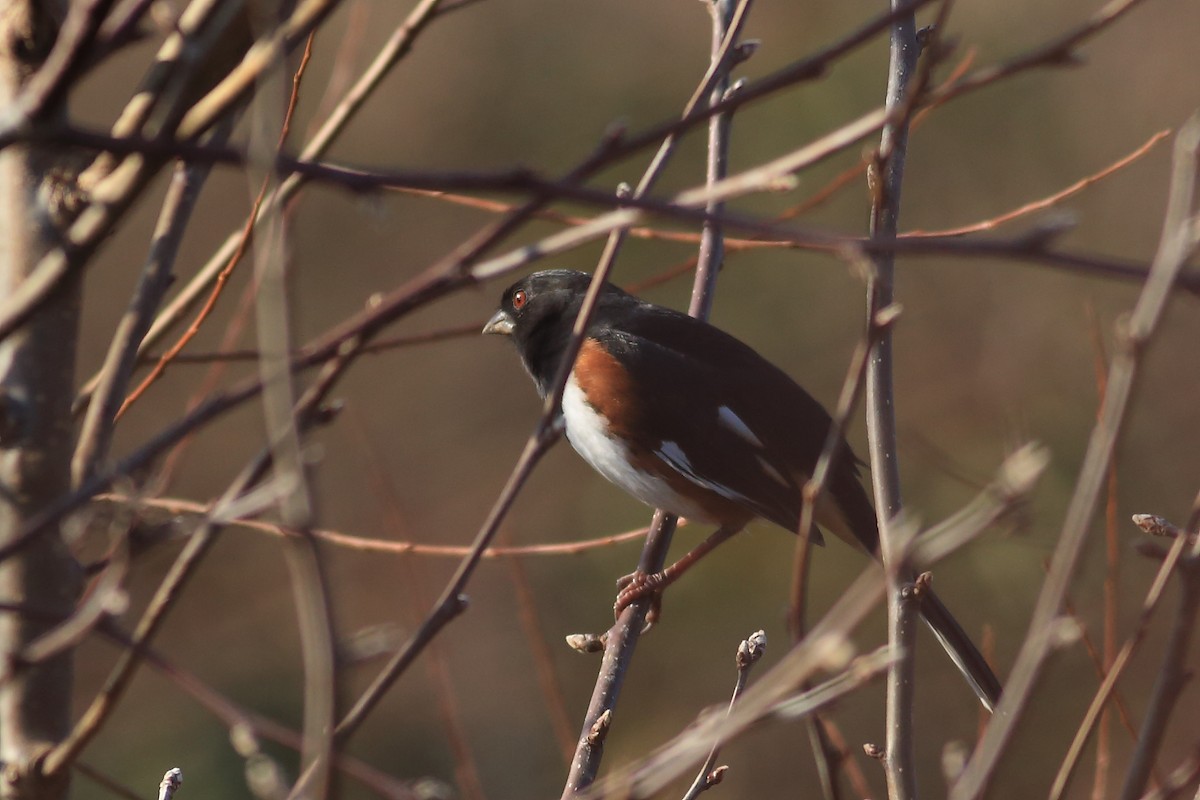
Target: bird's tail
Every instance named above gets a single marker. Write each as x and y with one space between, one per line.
961 649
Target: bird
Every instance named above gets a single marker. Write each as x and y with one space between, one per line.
687 418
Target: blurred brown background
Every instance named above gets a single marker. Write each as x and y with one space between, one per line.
990 354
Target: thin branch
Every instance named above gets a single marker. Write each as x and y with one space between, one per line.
382 345
727 17
1098 664
371 545
1043 203
243 245
848 400
1057 52
748 653
1172 677
826 647
113 377
734 244
1109 683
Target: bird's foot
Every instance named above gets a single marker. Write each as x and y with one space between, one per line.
637 586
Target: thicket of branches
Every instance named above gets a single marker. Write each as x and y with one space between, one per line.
86 506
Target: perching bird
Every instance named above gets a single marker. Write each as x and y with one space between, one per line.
688 419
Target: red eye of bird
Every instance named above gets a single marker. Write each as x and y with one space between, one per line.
519 299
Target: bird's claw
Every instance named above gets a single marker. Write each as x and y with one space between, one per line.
637 586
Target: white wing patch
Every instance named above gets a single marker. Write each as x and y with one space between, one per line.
673 454
733 422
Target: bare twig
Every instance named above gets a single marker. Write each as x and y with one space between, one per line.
826 647
748 653
727 17
381 345
113 377
832 449
1178 241
1108 685
1042 203
1172 675
369 545
1057 52
1097 659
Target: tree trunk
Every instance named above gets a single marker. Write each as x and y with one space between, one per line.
37 364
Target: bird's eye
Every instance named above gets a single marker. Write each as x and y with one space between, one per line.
519 299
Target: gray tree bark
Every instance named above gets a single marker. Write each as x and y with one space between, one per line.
37 365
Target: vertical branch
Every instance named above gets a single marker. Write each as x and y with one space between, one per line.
712 241
37 370
888 175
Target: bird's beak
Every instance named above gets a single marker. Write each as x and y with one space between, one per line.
500 323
